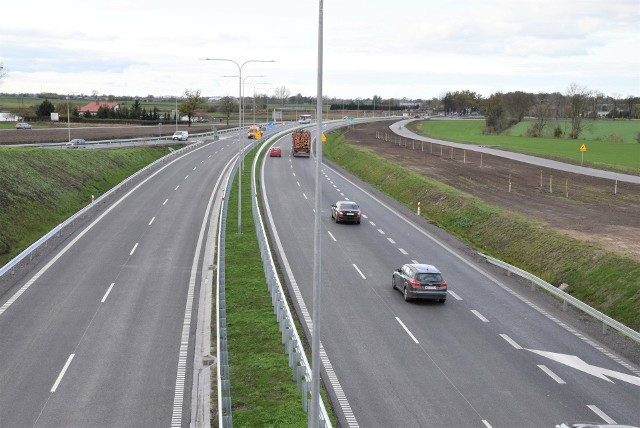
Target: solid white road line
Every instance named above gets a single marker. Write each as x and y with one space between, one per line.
407 330
61 375
479 315
104 299
133 249
551 374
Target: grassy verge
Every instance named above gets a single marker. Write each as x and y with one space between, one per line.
40 188
263 392
608 282
604 151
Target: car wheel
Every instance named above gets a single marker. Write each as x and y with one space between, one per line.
442 301
406 295
358 222
393 282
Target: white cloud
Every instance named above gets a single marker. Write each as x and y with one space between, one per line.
408 49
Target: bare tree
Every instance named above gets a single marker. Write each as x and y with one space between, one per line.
578 102
282 93
630 103
227 106
613 102
596 99
517 104
542 110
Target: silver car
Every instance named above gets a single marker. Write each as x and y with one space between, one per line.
23 125
420 281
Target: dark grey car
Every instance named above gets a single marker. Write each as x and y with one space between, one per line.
346 211
420 281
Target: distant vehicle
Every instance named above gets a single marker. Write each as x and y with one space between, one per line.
304 118
275 152
301 142
254 133
23 125
420 281
347 211
593 425
76 142
426 117
180 135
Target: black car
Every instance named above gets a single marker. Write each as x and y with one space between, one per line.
420 281
347 211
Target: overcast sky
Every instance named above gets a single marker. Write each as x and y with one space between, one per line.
409 48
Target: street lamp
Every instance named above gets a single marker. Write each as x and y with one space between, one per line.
69 116
254 98
239 130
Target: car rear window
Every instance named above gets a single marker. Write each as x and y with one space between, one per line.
349 206
429 277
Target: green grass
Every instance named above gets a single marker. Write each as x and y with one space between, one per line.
603 151
604 280
40 188
263 392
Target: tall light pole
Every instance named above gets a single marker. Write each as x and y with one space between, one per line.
239 130
254 98
176 113
315 346
69 116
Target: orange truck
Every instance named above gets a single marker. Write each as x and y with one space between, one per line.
301 143
254 133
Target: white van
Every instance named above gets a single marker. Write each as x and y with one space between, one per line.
180 135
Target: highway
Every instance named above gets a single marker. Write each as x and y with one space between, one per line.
101 332
489 357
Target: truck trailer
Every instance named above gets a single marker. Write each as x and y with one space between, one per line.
301 142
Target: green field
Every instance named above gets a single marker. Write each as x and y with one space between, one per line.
610 145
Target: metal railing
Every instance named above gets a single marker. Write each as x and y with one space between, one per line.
567 298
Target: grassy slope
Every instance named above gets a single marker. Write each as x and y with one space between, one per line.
40 188
620 156
603 280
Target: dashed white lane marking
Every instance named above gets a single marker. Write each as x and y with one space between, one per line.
298 183
479 315
177 187
165 201
486 424
455 296
194 168
415 262
186 176
133 249
407 330
104 299
511 341
332 237
402 251
151 221
600 413
363 277
381 231
61 375
391 240
364 216
551 374
294 174
371 223
305 196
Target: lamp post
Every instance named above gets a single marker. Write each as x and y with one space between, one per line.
69 116
239 130
176 113
254 98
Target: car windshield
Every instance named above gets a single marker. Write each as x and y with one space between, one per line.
429 277
348 206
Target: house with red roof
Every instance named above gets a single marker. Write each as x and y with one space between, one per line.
94 106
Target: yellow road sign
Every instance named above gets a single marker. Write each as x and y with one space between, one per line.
324 137
583 148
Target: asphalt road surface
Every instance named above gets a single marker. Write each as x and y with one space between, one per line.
493 355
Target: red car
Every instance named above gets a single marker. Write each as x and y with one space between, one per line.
275 151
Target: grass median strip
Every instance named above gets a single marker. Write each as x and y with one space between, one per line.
263 392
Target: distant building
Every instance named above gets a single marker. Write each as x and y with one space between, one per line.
94 106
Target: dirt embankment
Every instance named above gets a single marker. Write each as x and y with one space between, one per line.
586 208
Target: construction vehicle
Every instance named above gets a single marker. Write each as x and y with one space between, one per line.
254 132
301 143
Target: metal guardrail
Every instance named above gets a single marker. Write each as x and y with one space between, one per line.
30 251
567 298
298 361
